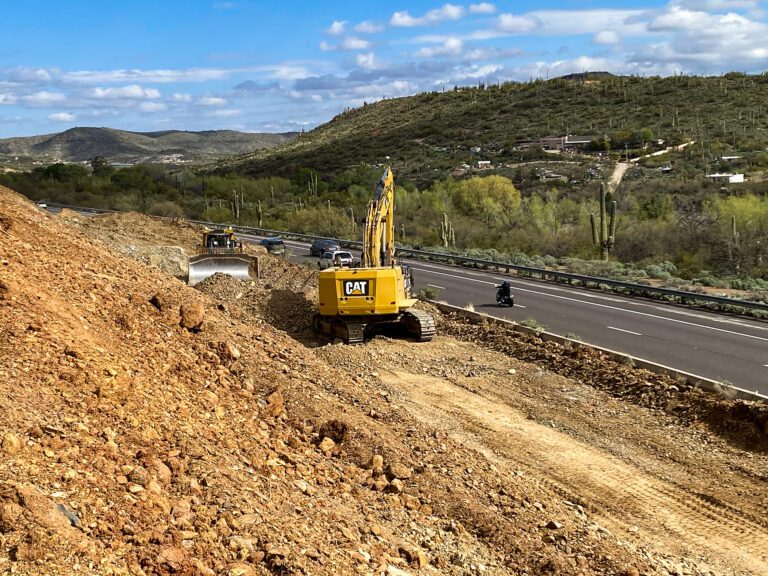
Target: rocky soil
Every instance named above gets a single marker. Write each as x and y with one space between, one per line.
151 428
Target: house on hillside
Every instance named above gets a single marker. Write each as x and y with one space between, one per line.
557 143
483 164
577 142
726 178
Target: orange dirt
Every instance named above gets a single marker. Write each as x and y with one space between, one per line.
133 445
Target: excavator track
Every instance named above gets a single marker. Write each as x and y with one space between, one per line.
333 327
420 324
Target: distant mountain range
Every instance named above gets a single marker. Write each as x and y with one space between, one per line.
120 146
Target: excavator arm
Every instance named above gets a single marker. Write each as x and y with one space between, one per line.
379 237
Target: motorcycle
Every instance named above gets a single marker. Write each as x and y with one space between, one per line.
503 299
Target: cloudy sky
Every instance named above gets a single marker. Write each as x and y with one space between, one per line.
285 65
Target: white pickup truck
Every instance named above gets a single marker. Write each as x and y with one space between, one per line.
329 259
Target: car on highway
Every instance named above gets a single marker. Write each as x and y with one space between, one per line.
333 258
319 247
274 246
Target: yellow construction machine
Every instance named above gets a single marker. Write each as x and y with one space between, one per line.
219 251
356 302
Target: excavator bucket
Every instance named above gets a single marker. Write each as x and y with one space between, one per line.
220 252
204 265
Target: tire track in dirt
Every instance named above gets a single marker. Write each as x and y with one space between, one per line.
617 493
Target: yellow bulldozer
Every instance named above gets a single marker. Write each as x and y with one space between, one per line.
221 252
357 302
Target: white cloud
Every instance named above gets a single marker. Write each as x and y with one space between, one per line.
285 71
31 75
678 19
717 5
62 117
133 91
482 8
154 76
445 12
353 43
228 113
574 22
511 24
367 61
152 106
702 42
44 98
451 47
368 27
337 27
609 37
212 101
8 99
325 47
181 97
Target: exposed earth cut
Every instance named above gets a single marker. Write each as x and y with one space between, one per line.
147 427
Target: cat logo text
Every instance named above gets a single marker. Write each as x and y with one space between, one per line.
356 287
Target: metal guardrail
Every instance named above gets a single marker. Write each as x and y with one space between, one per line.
668 294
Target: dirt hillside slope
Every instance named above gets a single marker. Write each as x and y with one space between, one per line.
136 440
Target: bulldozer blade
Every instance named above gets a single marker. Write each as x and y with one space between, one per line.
204 265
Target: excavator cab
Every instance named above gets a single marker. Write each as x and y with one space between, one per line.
219 251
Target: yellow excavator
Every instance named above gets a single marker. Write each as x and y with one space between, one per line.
221 252
356 302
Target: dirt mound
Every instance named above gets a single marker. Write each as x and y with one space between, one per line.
134 445
134 229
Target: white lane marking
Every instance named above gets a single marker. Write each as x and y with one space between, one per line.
436 286
622 330
613 308
520 306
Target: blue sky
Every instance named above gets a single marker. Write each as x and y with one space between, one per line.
286 65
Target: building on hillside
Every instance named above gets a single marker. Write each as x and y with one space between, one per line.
572 142
557 143
483 164
726 178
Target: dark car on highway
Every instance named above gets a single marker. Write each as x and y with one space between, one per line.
274 245
319 247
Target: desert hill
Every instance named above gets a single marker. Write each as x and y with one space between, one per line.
170 146
428 135
138 440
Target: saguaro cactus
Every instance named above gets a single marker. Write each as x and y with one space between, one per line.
237 203
733 245
447 234
604 235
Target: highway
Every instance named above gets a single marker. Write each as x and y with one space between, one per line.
728 349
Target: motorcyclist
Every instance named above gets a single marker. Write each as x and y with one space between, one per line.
505 289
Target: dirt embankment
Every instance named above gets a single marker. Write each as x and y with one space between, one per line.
150 428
